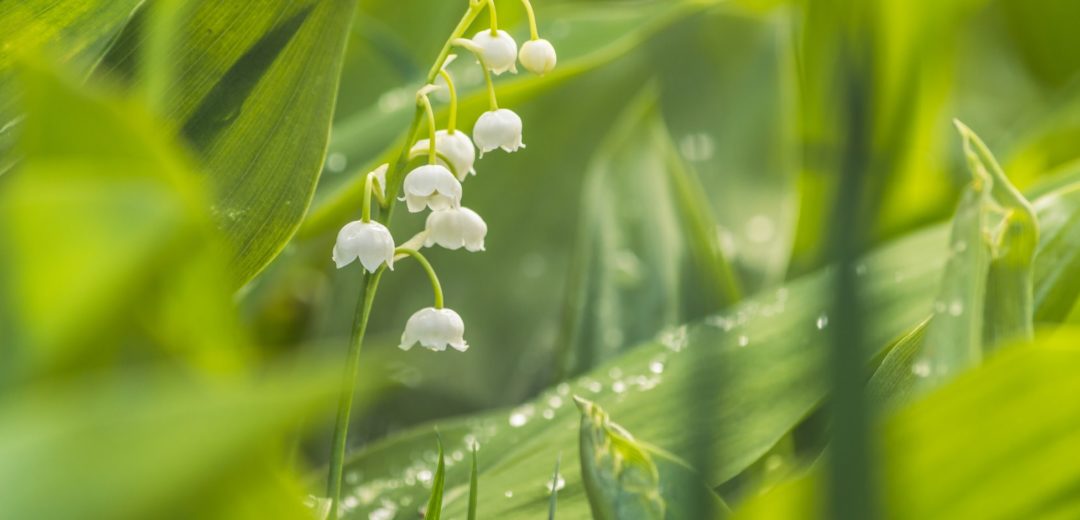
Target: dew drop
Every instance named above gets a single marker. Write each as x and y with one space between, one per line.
336 162
556 484
518 419
744 340
822 321
508 494
618 387
656 367
956 308
548 414
921 368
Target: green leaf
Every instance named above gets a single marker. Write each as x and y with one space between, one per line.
473 484
105 237
985 296
434 505
75 32
253 96
987 445
556 483
620 478
769 351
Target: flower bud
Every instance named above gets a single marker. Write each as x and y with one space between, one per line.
370 242
434 329
499 51
456 228
498 129
456 148
431 186
538 56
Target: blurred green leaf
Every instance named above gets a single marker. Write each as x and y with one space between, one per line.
74 32
988 445
631 266
254 97
106 245
143 443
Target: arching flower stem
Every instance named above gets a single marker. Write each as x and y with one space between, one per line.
534 34
493 102
435 286
451 125
432 128
494 17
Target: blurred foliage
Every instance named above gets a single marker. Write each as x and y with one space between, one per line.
659 248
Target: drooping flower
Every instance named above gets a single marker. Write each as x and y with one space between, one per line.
499 50
498 129
434 329
431 186
369 242
456 147
456 228
538 56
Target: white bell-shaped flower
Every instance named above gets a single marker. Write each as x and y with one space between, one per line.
499 50
431 186
498 129
434 329
369 242
456 228
456 147
538 56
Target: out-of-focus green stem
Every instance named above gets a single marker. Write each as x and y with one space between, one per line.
436 287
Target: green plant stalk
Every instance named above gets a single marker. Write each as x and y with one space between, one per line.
348 388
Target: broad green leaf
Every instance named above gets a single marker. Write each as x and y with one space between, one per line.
74 32
769 351
988 445
254 97
620 477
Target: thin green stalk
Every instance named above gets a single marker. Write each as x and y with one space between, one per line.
494 17
348 387
473 48
532 19
431 127
473 486
435 286
451 125
365 207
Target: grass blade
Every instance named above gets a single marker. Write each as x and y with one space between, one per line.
473 486
554 489
434 506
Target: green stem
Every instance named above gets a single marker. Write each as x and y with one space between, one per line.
493 102
348 387
365 206
532 19
451 125
431 127
494 18
435 286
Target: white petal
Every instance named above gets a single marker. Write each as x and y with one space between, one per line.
370 242
499 51
538 56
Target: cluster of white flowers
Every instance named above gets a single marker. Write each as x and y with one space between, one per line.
437 185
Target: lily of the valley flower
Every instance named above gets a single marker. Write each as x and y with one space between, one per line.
456 148
434 329
431 186
456 228
499 50
369 242
538 56
498 129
